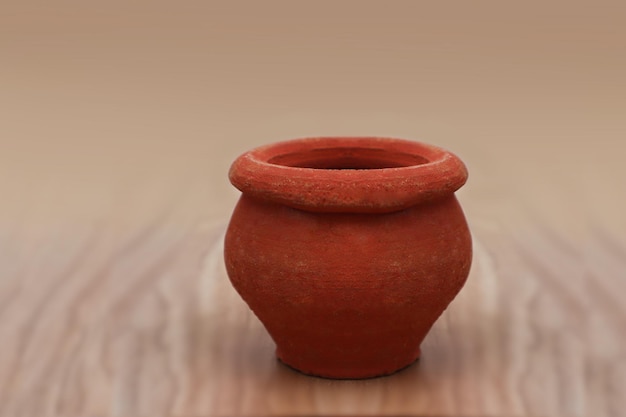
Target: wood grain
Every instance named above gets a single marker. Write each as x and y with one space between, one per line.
98 320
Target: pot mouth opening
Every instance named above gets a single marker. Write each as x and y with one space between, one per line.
348 174
343 158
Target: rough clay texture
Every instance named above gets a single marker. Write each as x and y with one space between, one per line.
348 295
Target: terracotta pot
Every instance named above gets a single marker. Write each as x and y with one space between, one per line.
348 249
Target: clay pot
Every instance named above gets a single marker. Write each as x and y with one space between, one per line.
348 249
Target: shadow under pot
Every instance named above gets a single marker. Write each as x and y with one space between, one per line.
348 248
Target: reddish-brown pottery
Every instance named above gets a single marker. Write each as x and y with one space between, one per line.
348 248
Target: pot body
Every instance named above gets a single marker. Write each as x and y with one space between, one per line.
348 295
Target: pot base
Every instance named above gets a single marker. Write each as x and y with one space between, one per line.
361 373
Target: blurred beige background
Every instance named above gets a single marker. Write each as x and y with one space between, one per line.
117 117
99 100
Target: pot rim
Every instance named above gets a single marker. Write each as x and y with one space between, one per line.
408 173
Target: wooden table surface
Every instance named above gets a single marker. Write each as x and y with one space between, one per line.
119 122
